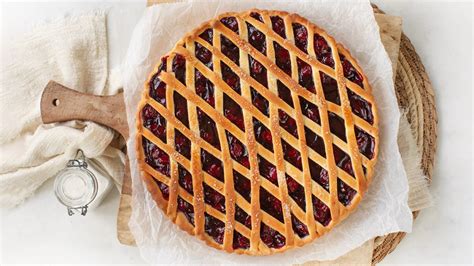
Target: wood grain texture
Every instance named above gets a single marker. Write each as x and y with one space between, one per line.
125 209
154 2
60 104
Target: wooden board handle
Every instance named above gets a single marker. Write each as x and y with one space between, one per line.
60 104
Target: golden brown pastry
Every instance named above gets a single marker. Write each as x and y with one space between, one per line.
257 132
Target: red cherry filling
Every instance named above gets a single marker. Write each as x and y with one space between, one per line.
343 160
233 112
185 179
237 150
242 217
258 71
155 122
181 108
291 154
271 237
361 107
267 170
208 129
301 36
149 113
315 142
262 134
257 39
321 211
282 58
165 192
271 204
350 72
204 55
296 192
182 144
158 90
162 66
240 241
310 110
345 193
278 25
207 35
187 209
229 49
365 142
179 68
214 228
331 92
336 124
288 123
256 16
214 198
319 174
231 23
204 87
242 185
284 93
157 86
259 101
298 227
305 75
323 51
212 165
155 157
230 77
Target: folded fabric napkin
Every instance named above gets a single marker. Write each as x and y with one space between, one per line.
71 50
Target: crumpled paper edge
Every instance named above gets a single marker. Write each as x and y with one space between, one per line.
148 223
419 196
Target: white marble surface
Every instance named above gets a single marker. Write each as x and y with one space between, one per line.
39 231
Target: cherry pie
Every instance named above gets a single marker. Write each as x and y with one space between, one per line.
257 133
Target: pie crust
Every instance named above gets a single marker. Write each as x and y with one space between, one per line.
241 143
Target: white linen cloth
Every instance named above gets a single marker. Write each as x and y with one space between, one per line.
71 50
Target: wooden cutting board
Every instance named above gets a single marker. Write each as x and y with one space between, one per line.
59 104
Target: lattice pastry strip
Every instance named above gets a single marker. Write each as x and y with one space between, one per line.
261 150
290 81
257 132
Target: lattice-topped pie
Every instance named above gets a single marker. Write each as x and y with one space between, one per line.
257 132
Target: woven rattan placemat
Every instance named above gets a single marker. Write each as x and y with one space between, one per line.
415 95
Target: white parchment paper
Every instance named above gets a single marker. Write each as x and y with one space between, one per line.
384 208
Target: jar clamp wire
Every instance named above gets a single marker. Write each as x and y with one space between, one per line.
75 186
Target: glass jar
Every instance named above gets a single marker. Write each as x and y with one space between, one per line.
75 186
